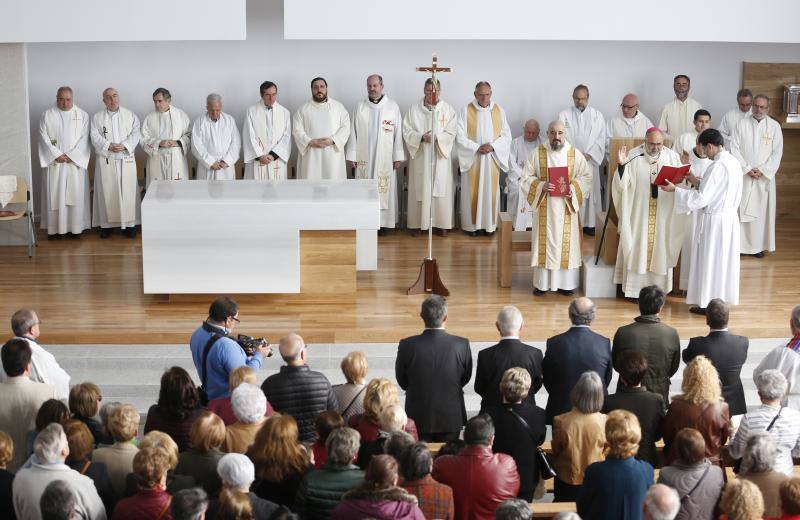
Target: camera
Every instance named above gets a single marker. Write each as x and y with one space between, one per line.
250 344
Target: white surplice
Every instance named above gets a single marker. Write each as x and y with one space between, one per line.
622 127
758 144
728 124
488 206
117 201
677 117
65 186
699 166
415 125
315 121
786 360
214 141
586 131
167 163
685 143
518 207
715 252
376 141
267 131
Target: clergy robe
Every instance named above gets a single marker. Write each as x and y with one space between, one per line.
699 166
518 207
117 201
167 163
650 232
376 141
758 144
586 131
729 122
786 359
480 173
267 131
415 125
319 120
556 241
685 143
622 127
715 252
677 117
65 186
214 141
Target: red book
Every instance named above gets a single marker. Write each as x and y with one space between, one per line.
559 177
673 174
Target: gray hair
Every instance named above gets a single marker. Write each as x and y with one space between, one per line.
23 321
744 93
236 471
587 394
105 411
434 311
771 384
380 78
213 98
662 502
249 403
189 504
513 509
393 418
50 443
796 317
342 445
482 84
759 453
64 89
581 311
397 443
761 96
57 501
509 320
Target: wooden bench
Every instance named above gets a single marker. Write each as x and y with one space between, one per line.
551 509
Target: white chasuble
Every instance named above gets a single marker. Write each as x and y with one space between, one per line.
315 121
65 186
116 188
650 232
267 131
699 167
376 141
167 163
622 127
517 204
556 239
480 173
214 141
586 131
729 122
758 144
714 271
677 117
415 125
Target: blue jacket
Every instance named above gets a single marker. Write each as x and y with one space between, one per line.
614 489
226 355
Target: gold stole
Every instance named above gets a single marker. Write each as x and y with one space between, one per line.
475 171
651 218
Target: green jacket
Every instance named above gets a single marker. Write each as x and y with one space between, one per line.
321 491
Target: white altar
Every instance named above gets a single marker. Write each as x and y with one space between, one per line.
250 236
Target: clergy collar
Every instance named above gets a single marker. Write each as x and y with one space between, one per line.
267 107
377 101
579 110
475 103
115 112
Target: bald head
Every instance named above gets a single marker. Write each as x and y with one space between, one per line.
556 135
581 311
531 130
293 350
630 105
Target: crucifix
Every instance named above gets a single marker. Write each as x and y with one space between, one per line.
429 281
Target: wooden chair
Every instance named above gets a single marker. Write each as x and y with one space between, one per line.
23 196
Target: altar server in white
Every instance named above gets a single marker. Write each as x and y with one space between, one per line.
521 147
684 144
421 144
115 134
484 146
267 137
744 102
586 131
677 115
215 142
321 128
700 163
64 156
630 124
375 147
715 255
758 145
166 140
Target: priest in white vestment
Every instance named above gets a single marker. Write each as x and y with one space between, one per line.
64 156
715 252
630 124
786 359
677 115
758 145
267 137
521 147
744 102
321 128
586 131
556 240
166 140
375 147
115 134
684 144
215 142
484 145
421 143
699 163
650 232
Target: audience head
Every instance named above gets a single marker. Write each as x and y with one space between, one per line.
157 439
700 382
771 385
189 504
276 450
452 447
759 453
249 403
235 505
293 350
57 501
223 311
513 509
354 367
84 400
587 394
178 397
651 300
50 446
207 433
509 321
794 322
397 444
717 314
742 500
105 412
239 375
236 471
380 393
515 385
150 466
581 311
790 496
326 422
479 430
416 462
123 423
393 418
342 446
16 357
79 439
51 411
632 367
434 311
25 322
381 472
623 434
690 447
6 449
661 503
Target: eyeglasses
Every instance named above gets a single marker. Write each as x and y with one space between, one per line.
628 107
761 107
234 318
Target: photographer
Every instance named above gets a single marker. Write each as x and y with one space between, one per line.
224 354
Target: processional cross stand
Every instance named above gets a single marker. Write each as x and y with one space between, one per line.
429 281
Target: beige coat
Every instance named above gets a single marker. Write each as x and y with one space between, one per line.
239 436
578 440
20 399
119 462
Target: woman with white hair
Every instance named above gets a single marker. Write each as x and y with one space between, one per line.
237 473
249 406
758 463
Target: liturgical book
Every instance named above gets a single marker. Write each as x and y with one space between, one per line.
673 174
559 177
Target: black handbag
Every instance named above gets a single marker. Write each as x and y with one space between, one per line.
546 471
202 389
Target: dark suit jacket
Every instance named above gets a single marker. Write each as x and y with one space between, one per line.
727 352
649 408
568 356
495 360
433 369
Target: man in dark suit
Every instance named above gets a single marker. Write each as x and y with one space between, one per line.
509 353
572 353
727 352
433 369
